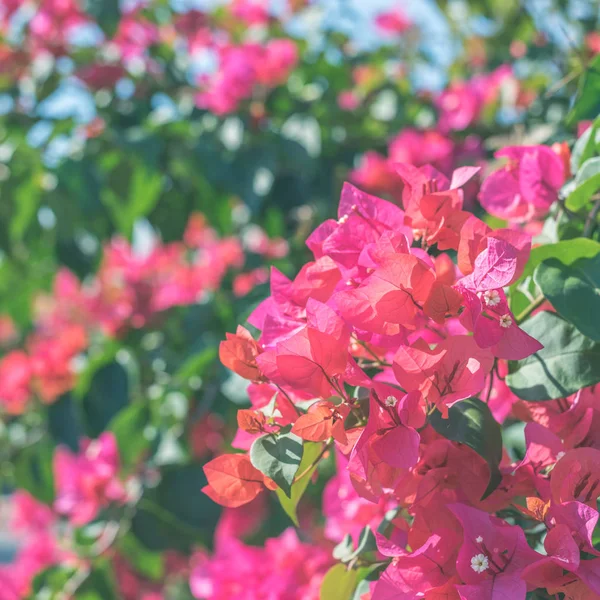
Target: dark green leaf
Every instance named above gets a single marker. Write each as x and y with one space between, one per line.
470 422
568 362
574 291
33 470
64 422
128 426
107 395
567 252
175 514
587 103
278 457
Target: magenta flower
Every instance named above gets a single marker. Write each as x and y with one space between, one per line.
89 481
526 186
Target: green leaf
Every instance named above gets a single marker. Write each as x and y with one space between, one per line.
108 394
338 583
581 195
574 291
470 422
64 422
567 252
33 470
310 452
145 186
147 563
584 147
568 362
278 457
366 543
26 203
196 365
587 184
128 426
175 514
95 363
587 102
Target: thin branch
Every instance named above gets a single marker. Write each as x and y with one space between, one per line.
535 304
590 222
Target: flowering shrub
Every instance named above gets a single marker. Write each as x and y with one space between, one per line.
217 381
407 364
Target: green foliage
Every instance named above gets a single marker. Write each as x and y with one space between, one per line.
307 467
574 291
587 182
174 514
587 102
567 252
568 362
278 457
33 470
339 583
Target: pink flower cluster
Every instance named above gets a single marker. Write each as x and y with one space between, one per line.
129 290
417 147
284 568
88 481
462 103
418 333
35 525
244 68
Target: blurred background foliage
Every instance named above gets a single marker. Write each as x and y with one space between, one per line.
81 163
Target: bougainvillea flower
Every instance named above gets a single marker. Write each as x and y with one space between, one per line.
390 297
576 476
238 353
283 568
413 575
562 563
492 556
454 370
494 326
322 421
89 481
362 219
346 512
15 382
581 521
526 187
232 480
30 515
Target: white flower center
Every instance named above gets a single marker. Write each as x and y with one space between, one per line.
391 401
506 321
492 297
479 539
480 563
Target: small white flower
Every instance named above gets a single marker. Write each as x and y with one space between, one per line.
506 321
391 401
559 455
492 297
480 563
479 539
342 219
